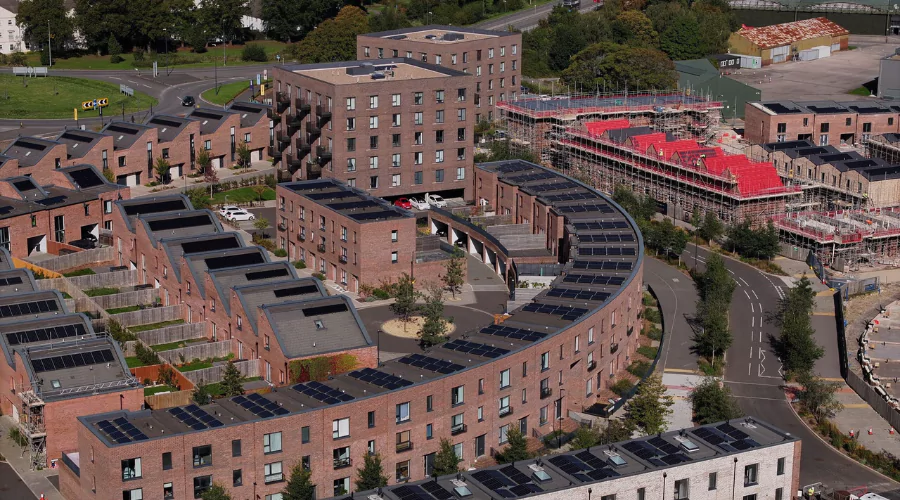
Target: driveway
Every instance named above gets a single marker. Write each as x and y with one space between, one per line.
11 485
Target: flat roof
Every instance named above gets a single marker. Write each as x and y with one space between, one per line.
616 102
253 296
78 367
372 71
179 224
316 326
422 33
29 150
135 207
785 107
33 305
225 279
176 248
350 202
777 35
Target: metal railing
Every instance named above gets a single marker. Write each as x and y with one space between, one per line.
340 463
458 429
404 446
546 392
506 410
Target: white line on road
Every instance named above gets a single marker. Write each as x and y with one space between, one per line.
134 82
145 85
756 397
745 281
754 294
749 365
753 322
114 78
751 307
760 307
730 271
747 294
751 352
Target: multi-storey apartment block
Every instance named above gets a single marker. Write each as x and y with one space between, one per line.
822 122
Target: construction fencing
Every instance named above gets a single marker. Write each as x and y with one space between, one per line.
196 351
174 333
248 368
79 259
875 400
148 316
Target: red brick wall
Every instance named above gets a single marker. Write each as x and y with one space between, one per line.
47 164
220 140
136 156
95 155
180 147
152 372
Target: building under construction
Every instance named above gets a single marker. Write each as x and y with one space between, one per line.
534 122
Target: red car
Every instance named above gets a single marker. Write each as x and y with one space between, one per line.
403 203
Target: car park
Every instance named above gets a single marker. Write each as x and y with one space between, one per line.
419 204
403 203
224 211
240 215
435 200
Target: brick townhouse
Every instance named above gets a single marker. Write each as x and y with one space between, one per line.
524 371
257 130
344 233
177 138
32 156
394 127
219 134
134 152
493 57
822 122
54 367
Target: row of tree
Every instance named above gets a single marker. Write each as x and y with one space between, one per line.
715 287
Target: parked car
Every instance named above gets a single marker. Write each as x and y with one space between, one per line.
224 211
188 101
435 200
403 203
419 204
239 215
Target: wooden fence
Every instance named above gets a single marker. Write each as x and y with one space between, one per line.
152 372
249 368
196 351
115 279
168 399
174 333
125 299
35 268
79 260
148 316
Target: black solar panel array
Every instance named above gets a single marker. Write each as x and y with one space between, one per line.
605 238
353 205
156 207
380 379
657 451
72 360
593 470
51 200
553 186
427 491
34 307
475 348
322 392
265 275
86 178
512 333
615 251
234 260
600 226
431 364
586 195
195 417
570 293
537 176
44 334
179 222
121 431
259 406
565 312
506 482
603 265
590 207
515 167
13 280
726 437
323 310
331 194
383 214
594 279
296 290
209 245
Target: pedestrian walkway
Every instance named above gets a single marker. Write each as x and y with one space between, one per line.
39 482
679 386
181 184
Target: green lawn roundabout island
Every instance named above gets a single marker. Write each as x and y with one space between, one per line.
55 97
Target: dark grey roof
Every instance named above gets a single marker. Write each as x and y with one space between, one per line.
79 142
804 151
168 127
175 248
254 296
226 279
620 135
88 178
21 334
179 224
124 134
348 201
5 260
316 326
29 150
201 263
438 27
210 119
251 112
32 305
19 280
778 146
131 209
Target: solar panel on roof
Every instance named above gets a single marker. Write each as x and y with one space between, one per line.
155 207
380 379
269 274
72 360
260 406
586 195
565 312
589 207
599 226
513 333
476 348
122 431
554 186
383 214
25 185
322 392
520 179
14 280
584 466
179 222
603 251
296 290
86 178
603 265
437 491
51 200
353 205
569 293
209 245
515 167
594 279
323 310
331 194
606 238
234 260
431 364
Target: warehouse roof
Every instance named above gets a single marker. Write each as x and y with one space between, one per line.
777 35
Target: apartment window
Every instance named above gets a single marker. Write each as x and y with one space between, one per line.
480 413
418 138
849 121
373 122
402 412
461 114
351 103
439 96
750 497
395 99
682 489
439 136
394 260
168 491
457 395
525 395
131 469
460 154
824 127
395 120
272 442
439 116
417 118
395 140
418 98
481 386
236 445
304 434
343 233
201 484
608 497
418 158
373 142
371 419
452 58
465 57
351 164
395 180
417 179
779 493
428 399
237 477
460 173
782 128
515 49
373 162
890 121
403 442
202 456
273 473
750 476
395 160
490 53
373 102
779 469
370 447
545 361
167 460
504 405
461 134
394 240
713 478
135 494
503 432
439 157
340 428
429 431
402 471
504 379
367 51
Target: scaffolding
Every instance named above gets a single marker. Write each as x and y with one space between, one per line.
31 425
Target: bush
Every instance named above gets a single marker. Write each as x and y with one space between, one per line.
647 351
652 315
622 386
138 55
654 333
319 276
639 368
299 265
116 59
280 252
380 294
254 52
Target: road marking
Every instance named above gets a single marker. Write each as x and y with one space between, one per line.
754 294
745 281
757 397
751 307
747 383
679 370
145 85
749 365
114 78
134 82
856 405
823 314
751 352
747 294
753 322
760 307
730 271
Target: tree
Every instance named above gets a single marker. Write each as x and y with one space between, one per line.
715 288
334 39
43 20
818 397
216 492
617 430
200 395
585 437
261 224
445 461
516 447
391 17
199 199
299 485
232 380
796 345
109 175
371 475
713 402
651 405
162 167
114 49
243 155
609 66
454 273
222 18
259 190
434 326
711 228
567 39
633 27
204 161
291 20
404 305
500 150
758 243
681 39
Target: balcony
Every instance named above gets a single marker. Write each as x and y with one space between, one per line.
340 463
303 148
506 410
324 115
342 259
274 152
282 97
630 331
302 107
313 130
458 429
283 138
282 227
404 446
313 168
323 154
546 392
613 348
591 365
301 237
321 247
293 163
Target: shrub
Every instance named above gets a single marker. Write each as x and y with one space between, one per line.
16 436
654 333
299 264
116 59
622 386
652 315
647 351
380 294
254 52
639 368
321 367
319 276
280 252
138 55
146 355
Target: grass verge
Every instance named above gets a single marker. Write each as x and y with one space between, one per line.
860 91
241 195
154 326
120 310
149 391
80 272
647 351
175 345
215 389
57 96
134 362
229 92
99 292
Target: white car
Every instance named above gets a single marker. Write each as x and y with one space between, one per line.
239 215
419 204
435 200
224 211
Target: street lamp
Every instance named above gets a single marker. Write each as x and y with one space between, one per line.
166 42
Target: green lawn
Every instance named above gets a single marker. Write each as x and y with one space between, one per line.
66 295
154 326
134 362
149 391
196 365
80 272
98 292
179 59
175 345
229 91
120 310
57 96
860 91
215 389
241 195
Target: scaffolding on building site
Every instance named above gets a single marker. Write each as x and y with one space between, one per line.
31 426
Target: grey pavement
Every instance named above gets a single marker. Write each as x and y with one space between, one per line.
23 480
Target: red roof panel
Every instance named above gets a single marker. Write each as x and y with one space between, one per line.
777 35
597 128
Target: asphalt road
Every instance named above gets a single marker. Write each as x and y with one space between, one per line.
525 20
11 485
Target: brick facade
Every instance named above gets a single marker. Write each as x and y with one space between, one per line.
854 124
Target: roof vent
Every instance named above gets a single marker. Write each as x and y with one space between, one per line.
430 37
687 444
452 37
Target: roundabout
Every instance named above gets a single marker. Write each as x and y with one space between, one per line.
55 97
